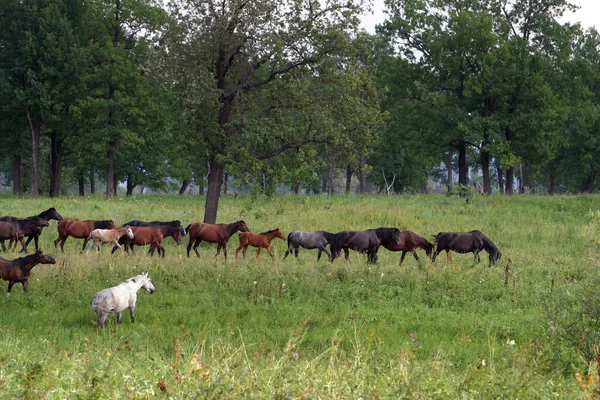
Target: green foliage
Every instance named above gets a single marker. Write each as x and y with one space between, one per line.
262 328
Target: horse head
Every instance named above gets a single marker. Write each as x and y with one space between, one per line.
241 224
51 213
44 258
279 234
129 232
147 283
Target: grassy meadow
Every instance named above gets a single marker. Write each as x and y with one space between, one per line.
307 329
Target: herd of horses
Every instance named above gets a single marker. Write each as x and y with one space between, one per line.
140 233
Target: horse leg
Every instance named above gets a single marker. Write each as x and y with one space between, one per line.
161 250
24 249
224 246
196 244
347 253
10 285
258 253
55 242
25 285
189 247
449 255
87 239
3 246
132 314
414 253
288 251
119 317
402 257
218 248
270 252
244 251
62 244
237 251
29 239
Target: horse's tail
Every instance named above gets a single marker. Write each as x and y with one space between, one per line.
187 229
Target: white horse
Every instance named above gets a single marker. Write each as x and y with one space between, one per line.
118 298
109 236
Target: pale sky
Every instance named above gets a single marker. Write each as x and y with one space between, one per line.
588 14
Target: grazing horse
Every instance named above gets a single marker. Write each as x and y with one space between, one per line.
18 270
118 298
409 241
34 234
213 233
109 236
466 242
174 223
79 230
151 235
10 230
309 240
367 241
259 240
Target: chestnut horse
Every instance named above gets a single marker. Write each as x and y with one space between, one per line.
409 241
79 230
18 270
151 235
10 230
34 234
109 236
259 240
213 233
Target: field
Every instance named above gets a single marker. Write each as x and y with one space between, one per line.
308 329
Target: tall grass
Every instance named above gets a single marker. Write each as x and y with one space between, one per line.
302 328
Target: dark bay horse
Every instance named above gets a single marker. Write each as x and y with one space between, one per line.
18 270
34 234
367 241
79 230
151 235
10 230
30 226
213 233
309 240
174 223
409 241
466 242
260 240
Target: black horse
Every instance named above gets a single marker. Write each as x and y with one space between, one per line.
35 233
309 240
466 242
31 227
363 241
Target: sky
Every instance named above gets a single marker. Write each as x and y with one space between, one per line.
588 14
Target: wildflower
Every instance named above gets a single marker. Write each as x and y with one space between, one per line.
296 356
553 329
550 323
412 335
510 342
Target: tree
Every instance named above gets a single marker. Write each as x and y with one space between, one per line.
244 46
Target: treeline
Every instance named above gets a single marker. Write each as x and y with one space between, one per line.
287 92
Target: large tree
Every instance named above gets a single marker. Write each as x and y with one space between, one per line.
242 46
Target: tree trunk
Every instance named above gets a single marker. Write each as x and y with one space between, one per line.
215 179
449 170
17 185
510 178
527 178
552 185
348 178
35 155
55 164
484 158
130 186
295 187
184 186
500 173
110 170
225 180
81 182
324 184
92 181
363 182
588 185
462 164
115 182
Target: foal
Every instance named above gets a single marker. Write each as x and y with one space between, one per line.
18 270
259 240
109 236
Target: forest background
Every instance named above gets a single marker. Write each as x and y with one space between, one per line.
190 95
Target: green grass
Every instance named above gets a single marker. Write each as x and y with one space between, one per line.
298 328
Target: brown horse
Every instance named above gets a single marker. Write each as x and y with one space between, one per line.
213 233
33 233
79 230
259 240
109 236
10 230
409 241
151 235
18 270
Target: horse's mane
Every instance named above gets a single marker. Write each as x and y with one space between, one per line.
271 231
422 242
328 236
488 245
20 262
